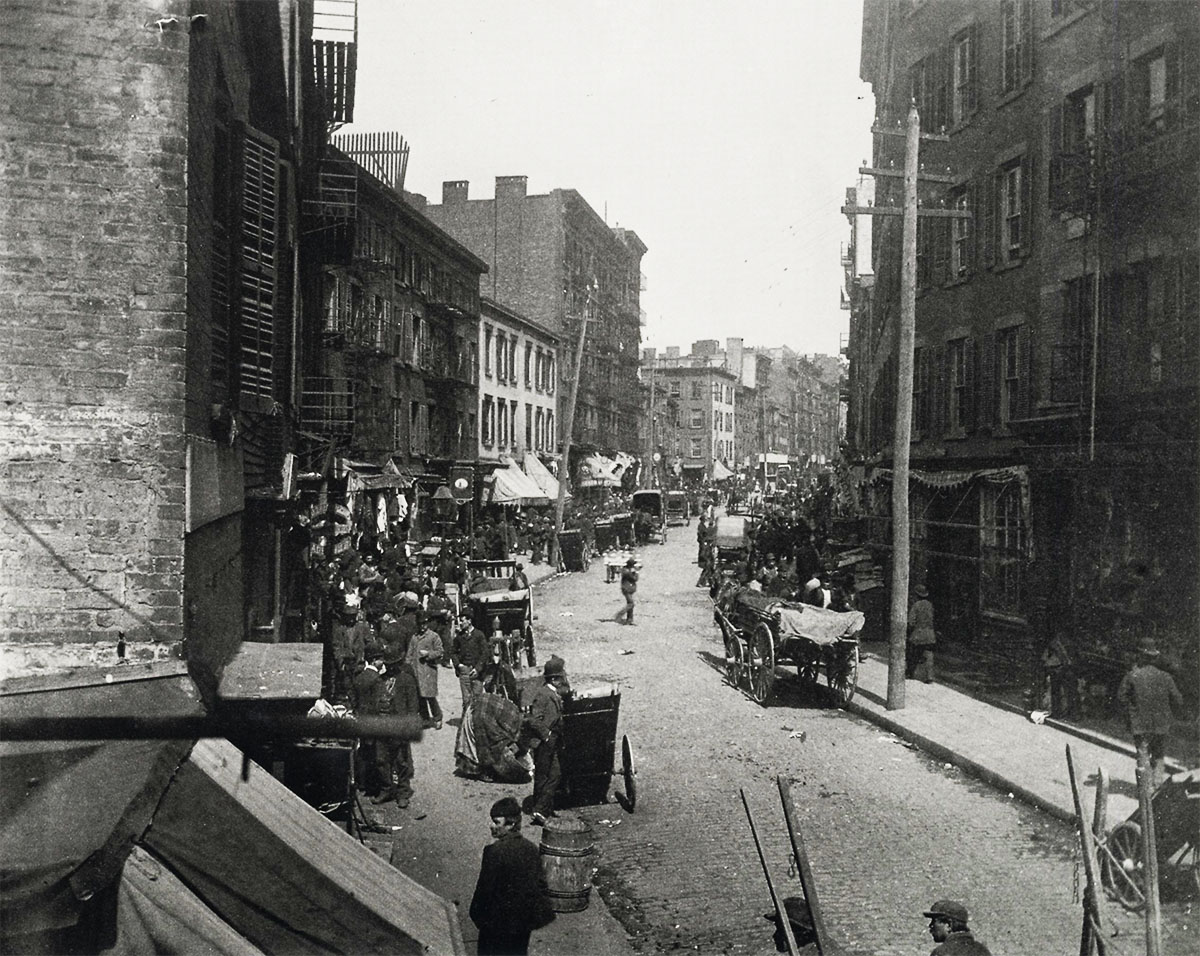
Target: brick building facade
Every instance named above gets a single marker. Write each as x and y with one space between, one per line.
1055 371
552 258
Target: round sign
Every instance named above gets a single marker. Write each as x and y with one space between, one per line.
657 456
460 484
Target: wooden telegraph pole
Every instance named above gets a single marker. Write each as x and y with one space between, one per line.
564 469
906 334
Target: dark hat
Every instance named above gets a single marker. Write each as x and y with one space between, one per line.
921 591
1148 647
951 909
520 566
506 808
555 667
631 562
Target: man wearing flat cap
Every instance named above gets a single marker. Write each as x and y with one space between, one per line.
541 733
510 899
948 927
1151 700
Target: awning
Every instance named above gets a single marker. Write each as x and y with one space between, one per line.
364 476
720 472
541 476
200 859
596 471
621 464
511 486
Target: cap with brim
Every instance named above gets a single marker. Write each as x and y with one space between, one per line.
949 909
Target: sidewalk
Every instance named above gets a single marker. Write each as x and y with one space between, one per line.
1004 748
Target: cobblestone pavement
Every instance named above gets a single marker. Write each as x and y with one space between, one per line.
888 829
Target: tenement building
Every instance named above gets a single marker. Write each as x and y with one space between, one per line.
1054 471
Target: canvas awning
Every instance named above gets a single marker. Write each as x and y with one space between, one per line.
596 471
511 486
720 472
541 476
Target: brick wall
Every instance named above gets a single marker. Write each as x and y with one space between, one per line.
93 112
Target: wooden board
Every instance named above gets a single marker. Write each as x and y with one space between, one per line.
262 671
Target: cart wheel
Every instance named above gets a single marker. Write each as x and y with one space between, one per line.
809 670
841 672
628 772
735 657
761 664
663 538
530 651
585 559
1121 867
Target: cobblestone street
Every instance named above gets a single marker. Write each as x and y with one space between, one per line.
887 828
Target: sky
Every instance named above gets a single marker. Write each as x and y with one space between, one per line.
723 132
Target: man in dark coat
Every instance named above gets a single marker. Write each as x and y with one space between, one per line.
629 583
392 690
1151 700
948 927
469 653
542 733
510 899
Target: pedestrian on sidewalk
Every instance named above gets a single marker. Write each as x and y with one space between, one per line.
948 927
629 583
542 733
1059 671
922 638
511 898
1151 700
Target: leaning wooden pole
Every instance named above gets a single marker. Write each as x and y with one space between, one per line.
1145 785
906 334
780 912
568 426
1093 914
802 867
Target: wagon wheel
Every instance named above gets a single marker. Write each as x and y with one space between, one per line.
530 651
735 656
809 669
1121 866
761 662
841 672
585 559
629 772
662 539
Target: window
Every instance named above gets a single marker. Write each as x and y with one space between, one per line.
697 420
965 80
928 87
957 360
418 428
512 423
501 357
1066 355
1008 375
528 365
1016 65
962 236
512 360
697 390
487 351
399 419
1002 548
254 306
487 422
694 448
551 435
528 426
674 389
1010 212
1072 136
502 423
920 404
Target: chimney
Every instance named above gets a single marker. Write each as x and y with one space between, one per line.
454 191
672 351
705 348
649 354
733 354
510 187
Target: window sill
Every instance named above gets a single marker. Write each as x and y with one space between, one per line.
1001 617
1011 264
957 280
1014 95
962 124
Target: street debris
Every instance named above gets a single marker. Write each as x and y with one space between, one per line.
627 651
801 735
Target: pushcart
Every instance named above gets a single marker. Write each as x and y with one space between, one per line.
490 598
761 632
588 755
1176 809
650 516
573 551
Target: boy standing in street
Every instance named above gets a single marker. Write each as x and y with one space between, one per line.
510 899
629 583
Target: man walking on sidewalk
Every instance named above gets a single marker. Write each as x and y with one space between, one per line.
948 927
1151 700
922 638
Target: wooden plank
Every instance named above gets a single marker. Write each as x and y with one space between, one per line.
1092 910
824 945
261 671
780 912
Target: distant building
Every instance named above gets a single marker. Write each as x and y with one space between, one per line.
518 386
551 258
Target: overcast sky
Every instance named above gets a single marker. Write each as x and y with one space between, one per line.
723 132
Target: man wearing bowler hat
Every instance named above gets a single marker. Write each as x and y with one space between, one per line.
1151 700
542 732
948 927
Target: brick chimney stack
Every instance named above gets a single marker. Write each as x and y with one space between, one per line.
454 191
511 187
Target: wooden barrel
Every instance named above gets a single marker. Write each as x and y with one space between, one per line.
567 860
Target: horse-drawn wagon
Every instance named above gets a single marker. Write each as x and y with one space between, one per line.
761 633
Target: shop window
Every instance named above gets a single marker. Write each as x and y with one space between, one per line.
1002 549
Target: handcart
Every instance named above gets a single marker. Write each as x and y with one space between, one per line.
1176 808
490 597
588 753
761 632
650 516
573 551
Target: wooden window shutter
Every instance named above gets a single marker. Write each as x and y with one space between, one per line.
973 71
944 73
1054 129
1025 53
1027 173
1175 63
971 383
941 250
986 389
972 253
941 395
1024 372
987 234
258 237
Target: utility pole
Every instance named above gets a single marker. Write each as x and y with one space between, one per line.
564 471
905 337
